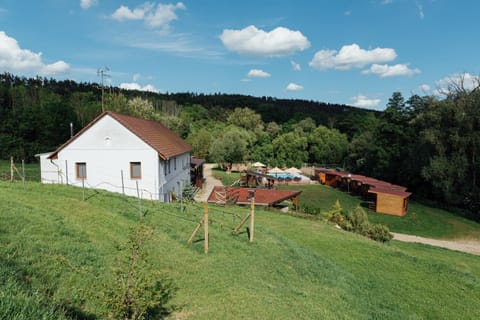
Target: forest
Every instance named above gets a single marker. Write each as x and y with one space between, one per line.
426 143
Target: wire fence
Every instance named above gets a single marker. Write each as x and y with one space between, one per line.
222 215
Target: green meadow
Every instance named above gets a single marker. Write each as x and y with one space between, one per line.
58 253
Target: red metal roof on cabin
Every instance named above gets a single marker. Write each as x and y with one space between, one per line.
166 142
372 182
395 192
266 197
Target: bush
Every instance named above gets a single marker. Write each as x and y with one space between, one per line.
379 232
188 192
138 291
357 221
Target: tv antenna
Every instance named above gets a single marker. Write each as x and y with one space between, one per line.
103 73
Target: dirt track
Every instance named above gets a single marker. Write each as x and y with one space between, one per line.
468 246
210 182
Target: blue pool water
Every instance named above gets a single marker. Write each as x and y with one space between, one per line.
281 175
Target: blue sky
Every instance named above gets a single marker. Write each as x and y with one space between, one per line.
355 52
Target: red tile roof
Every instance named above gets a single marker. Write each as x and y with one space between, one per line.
263 197
166 142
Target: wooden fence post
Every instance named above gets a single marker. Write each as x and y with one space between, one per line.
252 213
11 169
23 175
205 221
83 189
66 172
139 201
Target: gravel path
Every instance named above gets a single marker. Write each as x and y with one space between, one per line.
468 246
210 182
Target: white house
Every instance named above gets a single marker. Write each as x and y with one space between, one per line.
116 152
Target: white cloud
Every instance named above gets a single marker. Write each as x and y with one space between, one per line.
351 56
384 70
86 4
17 60
294 87
295 66
136 77
163 15
424 88
59 67
252 41
136 86
124 13
420 10
154 16
467 81
257 73
365 102
348 13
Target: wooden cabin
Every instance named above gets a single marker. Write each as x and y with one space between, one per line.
383 197
390 201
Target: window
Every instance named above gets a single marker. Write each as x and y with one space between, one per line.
81 170
169 166
135 170
175 163
165 168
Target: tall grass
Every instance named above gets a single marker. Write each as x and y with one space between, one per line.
60 252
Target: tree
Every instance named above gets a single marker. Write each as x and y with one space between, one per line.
290 149
450 129
273 129
232 146
85 106
142 108
247 119
327 145
200 141
306 125
116 102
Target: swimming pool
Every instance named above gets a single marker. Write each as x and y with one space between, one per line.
281 175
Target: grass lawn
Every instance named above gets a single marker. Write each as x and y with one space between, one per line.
420 220
227 178
57 253
32 170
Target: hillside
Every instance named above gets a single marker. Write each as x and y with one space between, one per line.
58 251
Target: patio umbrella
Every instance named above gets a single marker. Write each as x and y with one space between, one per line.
258 165
293 170
276 170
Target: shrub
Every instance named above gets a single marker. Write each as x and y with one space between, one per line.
336 209
380 232
357 221
138 292
188 192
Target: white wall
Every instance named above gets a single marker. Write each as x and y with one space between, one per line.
176 178
48 170
107 148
